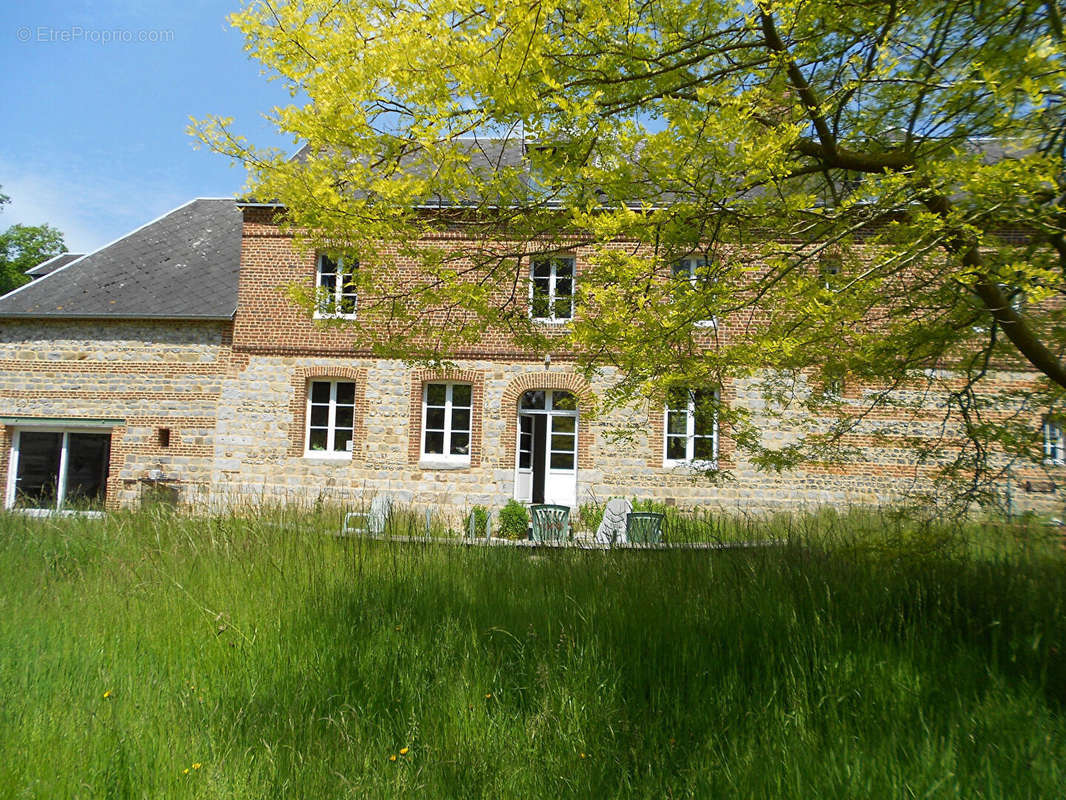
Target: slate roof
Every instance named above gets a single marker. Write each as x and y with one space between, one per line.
483 156
183 265
52 264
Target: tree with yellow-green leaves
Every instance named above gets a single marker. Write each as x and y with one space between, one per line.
866 191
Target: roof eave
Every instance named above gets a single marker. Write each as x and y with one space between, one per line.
154 317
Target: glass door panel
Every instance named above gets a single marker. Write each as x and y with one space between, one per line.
88 455
37 479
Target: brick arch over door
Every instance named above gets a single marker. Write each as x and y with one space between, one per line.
547 380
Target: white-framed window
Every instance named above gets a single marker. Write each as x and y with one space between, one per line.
57 469
446 417
829 267
551 288
1054 446
690 420
335 294
690 274
834 385
330 419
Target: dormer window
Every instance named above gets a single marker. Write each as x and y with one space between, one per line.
335 294
551 289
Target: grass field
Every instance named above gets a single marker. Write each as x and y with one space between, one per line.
160 656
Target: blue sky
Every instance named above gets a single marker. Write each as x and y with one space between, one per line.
93 128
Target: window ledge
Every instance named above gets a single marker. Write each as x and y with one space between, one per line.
436 463
319 315
550 321
706 323
1054 462
690 466
322 455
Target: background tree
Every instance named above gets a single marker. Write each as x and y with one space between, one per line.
871 190
23 247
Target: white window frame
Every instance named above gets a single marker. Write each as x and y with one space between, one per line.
61 487
686 268
829 269
690 435
331 422
553 279
326 306
1054 443
447 457
835 386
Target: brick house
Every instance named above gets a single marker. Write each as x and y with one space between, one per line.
173 360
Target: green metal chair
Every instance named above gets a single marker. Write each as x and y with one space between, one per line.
550 523
644 527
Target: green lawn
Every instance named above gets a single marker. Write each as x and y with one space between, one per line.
155 656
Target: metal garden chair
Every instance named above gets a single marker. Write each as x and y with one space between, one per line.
644 527
550 523
368 522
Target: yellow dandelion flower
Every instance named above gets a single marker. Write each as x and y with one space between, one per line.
107 694
404 751
197 765
488 696
582 755
185 771
392 757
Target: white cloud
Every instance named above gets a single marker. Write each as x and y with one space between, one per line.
90 209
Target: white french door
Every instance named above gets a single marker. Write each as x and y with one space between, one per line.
546 468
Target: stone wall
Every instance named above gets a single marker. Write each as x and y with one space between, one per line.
236 427
156 376
137 341
256 459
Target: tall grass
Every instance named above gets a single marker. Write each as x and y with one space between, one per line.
288 663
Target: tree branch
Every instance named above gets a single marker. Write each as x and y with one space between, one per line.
998 304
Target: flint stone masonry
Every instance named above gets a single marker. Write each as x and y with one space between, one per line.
255 460
153 375
162 342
